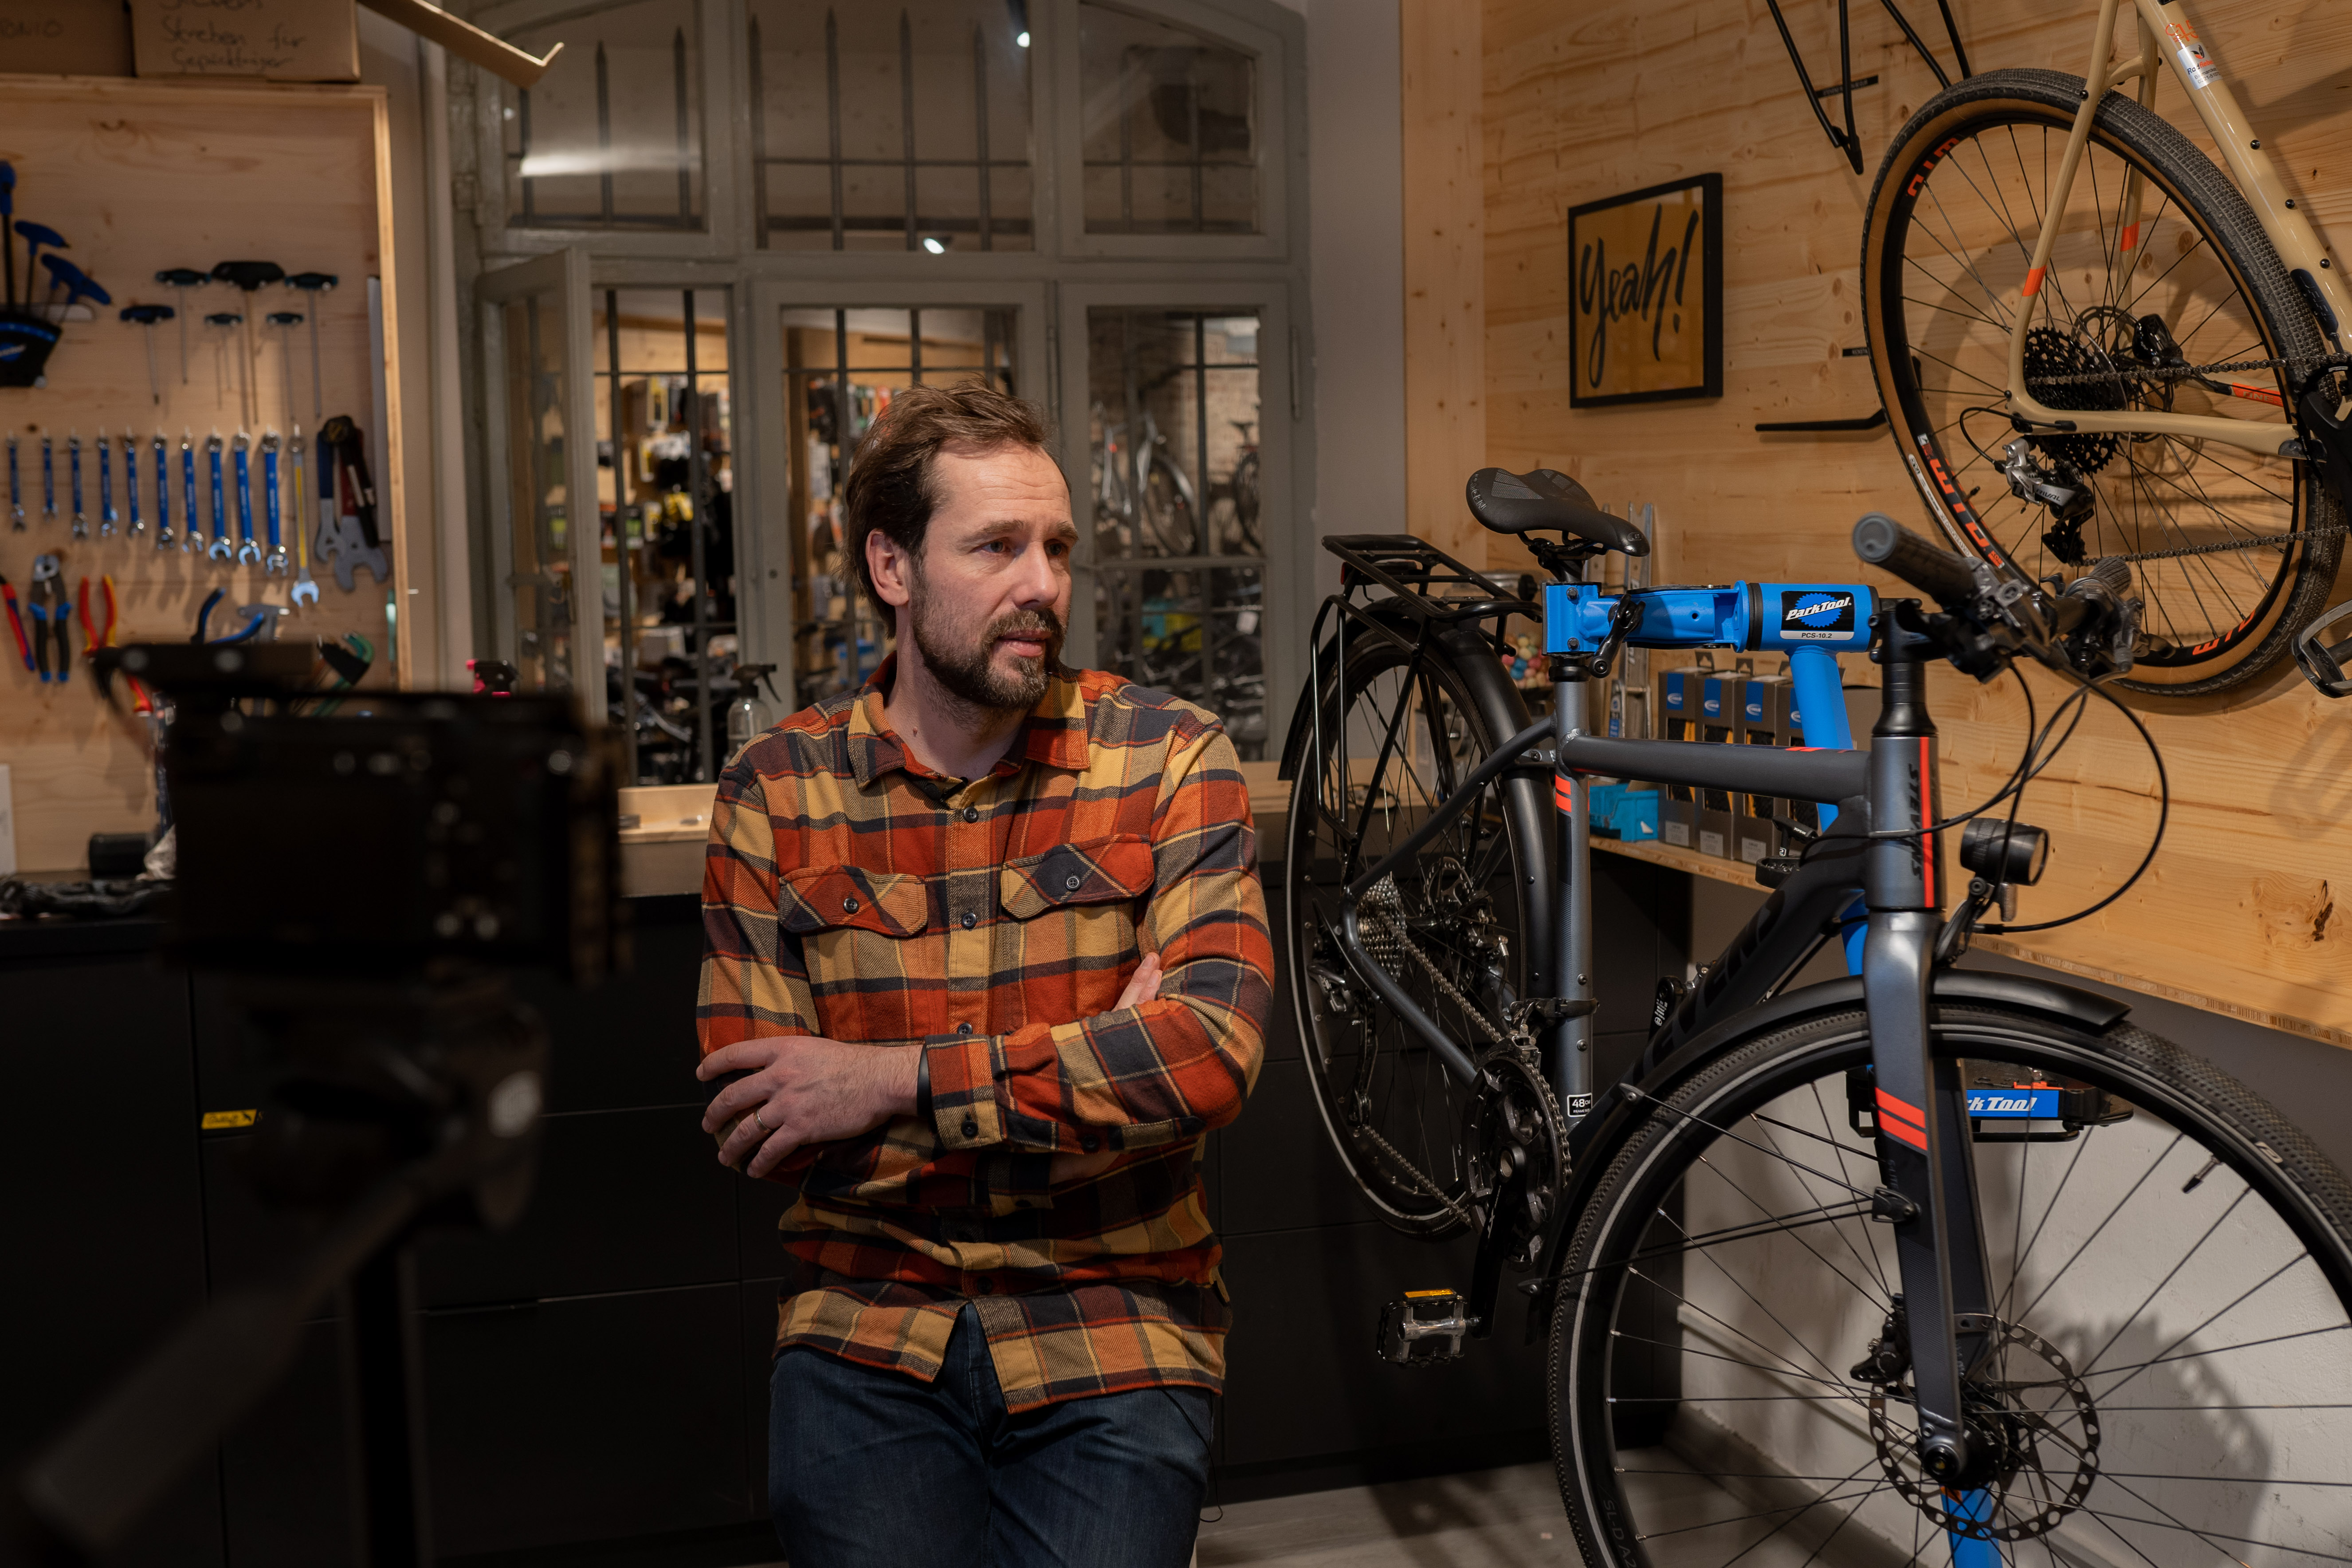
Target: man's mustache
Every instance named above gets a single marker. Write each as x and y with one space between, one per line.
1044 623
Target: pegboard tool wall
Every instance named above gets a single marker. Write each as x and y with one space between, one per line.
139 176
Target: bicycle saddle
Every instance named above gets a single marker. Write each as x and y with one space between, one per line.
1547 501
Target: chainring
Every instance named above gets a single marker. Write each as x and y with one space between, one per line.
1517 1150
1996 1413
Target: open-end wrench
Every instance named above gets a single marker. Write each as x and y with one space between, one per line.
106 518
192 529
73 462
274 561
48 479
15 493
164 537
248 551
131 483
221 549
304 590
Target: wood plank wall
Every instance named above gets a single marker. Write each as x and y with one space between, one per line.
139 176
2238 914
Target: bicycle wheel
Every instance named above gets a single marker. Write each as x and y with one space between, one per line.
2171 1376
1166 517
1959 201
1247 539
1460 929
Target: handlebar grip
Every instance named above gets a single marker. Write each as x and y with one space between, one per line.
1885 543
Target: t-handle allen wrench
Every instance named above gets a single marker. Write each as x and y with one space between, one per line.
313 284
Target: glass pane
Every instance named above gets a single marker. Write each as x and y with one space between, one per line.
538 513
1179 535
1170 140
898 128
612 136
664 460
841 367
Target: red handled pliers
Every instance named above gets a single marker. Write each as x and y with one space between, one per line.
17 624
93 638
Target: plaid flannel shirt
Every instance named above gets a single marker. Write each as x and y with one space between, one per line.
849 892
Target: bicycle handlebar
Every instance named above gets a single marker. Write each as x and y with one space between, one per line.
2088 627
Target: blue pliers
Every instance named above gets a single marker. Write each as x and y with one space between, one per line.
52 620
252 627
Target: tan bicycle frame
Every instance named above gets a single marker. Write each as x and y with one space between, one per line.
2167 38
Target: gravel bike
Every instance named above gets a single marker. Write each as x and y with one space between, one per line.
2090 342
1922 1259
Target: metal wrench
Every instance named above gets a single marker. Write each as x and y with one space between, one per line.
248 551
304 590
48 480
105 486
15 494
131 482
164 539
193 532
221 549
73 461
273 562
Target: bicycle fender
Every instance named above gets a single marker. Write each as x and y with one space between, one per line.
1593 1141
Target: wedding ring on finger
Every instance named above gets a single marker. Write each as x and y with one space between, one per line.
761 1121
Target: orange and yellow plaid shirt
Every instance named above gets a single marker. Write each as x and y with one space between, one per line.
850 892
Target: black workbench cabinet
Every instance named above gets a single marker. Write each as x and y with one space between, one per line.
599 1373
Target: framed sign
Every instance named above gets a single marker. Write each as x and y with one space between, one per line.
1645 295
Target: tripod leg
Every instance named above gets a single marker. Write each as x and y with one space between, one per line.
387 1400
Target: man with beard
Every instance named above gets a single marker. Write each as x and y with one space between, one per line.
988 959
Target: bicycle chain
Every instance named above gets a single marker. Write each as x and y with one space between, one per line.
1437 977
1423 1182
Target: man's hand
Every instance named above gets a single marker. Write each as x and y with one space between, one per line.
1142 986
803 1089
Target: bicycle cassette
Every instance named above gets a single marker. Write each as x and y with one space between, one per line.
1515 1140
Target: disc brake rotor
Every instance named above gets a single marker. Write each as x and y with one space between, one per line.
2027 1415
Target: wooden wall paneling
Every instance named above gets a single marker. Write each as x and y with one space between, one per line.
1444 303
2238 913
139 176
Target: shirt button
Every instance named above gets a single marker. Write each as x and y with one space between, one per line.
849 906
1086 1141
985 1287
971 814
971 1128
963 1028
971 921
1072 882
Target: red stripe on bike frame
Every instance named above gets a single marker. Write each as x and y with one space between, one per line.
2131 236
1901 1122
1563 795
1927 814
2033 280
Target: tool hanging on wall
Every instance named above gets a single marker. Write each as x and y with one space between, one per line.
48 479
16 492
36 235
74 283
248 551
182 279
8 257
50 630
105 486
247 277
273 562
131 483
255 617
73 461
164 537
347 495
147 316
190 528
313 284
304 590
286 321
93 638
222 550
230 324
17 624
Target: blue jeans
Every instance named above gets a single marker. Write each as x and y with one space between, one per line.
872 1468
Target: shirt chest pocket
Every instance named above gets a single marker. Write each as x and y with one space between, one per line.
1087 875
854 925
1073 911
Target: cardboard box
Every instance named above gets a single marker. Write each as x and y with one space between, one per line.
1718 723
1679 701
65 38
1767 708
269 40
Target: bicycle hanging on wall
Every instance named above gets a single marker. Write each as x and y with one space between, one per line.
1921 1259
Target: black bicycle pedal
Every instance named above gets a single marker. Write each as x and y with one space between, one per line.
1424 1328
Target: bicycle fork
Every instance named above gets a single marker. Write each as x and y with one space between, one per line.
1920 1105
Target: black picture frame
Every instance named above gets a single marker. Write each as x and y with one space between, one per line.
1587 272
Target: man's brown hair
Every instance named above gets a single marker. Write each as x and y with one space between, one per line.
889 485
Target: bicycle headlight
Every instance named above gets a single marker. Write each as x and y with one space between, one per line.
2004 852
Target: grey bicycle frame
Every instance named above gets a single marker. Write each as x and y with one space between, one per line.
1921 1108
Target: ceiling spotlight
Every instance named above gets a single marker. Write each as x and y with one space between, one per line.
1021 39
934 244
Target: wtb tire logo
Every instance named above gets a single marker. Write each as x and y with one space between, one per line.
1814 614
